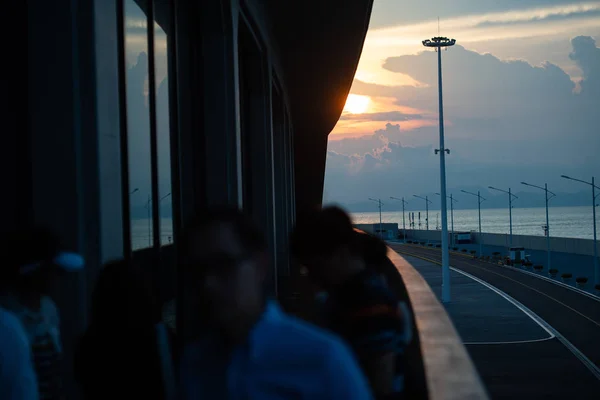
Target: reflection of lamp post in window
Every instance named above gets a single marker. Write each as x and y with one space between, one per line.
164 197
148 203
594 205
149 221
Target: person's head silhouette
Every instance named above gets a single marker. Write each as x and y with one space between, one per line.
226 262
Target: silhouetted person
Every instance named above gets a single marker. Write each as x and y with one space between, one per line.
33 259
359 306
17 376
248 348
375 251
119 354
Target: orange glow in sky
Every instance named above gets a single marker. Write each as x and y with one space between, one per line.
491 31
356 104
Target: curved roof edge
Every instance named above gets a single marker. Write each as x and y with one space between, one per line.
319 46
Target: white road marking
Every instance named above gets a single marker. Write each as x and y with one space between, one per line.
514 302
513 342
546 326
583 292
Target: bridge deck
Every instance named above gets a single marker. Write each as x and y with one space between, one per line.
516 357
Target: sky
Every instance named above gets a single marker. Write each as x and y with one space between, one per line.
521 99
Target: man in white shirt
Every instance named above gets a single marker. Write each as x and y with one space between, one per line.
17 377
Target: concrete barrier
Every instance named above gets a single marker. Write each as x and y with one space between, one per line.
389 230
557 244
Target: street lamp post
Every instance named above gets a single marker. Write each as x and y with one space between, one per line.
545 189
452 201
380 222
149 221
403 221
594 187
438 43
479 201
510 197
427 201
164 197
150 217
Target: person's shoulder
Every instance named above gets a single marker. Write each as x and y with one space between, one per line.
17 377
322 346
311 339
298 329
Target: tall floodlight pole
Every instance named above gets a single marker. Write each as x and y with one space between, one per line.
403 222
380 222
452 201
479 201
427 202
545 189
439 43
510 197
594 205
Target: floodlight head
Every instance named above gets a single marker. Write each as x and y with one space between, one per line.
438 41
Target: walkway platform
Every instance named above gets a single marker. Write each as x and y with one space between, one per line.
479 314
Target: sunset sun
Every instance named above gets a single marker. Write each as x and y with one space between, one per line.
356 104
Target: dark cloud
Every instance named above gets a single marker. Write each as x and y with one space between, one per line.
481 84
381 116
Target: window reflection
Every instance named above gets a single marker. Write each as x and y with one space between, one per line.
161 57
138 125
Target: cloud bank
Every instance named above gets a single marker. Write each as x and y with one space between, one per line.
505 121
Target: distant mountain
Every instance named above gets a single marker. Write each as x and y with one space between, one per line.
526 199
